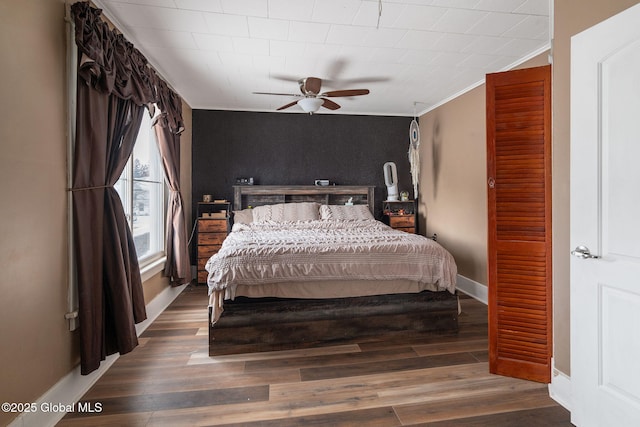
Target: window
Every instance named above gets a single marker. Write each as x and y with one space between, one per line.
142 190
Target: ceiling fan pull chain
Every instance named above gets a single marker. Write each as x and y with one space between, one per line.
379 13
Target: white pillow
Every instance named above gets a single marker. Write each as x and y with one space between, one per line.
303 211
245 216
345 212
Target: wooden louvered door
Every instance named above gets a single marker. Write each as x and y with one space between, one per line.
519 194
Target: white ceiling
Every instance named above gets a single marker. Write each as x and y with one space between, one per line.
215 53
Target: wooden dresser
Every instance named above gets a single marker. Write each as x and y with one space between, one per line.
211 234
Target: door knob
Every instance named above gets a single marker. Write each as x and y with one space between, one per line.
583 252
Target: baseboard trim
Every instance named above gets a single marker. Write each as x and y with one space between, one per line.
73 386
560 388
473 289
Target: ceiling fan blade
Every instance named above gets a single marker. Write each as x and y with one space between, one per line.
284 77
335 75
336 68
346 92
330 104
278 94
291 104
356 81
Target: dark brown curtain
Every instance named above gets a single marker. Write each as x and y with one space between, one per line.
109 285
178 266
115 83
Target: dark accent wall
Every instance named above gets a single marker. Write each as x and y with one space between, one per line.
296 149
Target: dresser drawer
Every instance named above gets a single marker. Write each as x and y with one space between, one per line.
212 225
205 251
399 221
211 238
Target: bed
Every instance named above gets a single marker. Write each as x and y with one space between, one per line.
323 255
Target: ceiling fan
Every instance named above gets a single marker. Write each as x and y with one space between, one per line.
311 99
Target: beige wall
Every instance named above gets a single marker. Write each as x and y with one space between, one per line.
453 176
453 172
36 348
452 181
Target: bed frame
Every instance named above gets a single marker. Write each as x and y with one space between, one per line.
250 325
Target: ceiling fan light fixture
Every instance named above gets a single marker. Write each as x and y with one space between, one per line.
310 105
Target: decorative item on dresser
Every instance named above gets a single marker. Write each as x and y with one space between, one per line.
402 215
213 227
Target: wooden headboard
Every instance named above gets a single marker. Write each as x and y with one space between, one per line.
258 195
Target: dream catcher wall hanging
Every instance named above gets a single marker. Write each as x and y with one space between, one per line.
414 153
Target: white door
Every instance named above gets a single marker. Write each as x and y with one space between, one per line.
605 223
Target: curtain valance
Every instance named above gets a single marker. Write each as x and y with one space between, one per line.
111 64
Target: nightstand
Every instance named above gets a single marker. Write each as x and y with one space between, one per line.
401 215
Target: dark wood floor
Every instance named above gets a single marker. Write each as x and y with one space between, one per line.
426 379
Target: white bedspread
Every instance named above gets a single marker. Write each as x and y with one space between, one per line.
270 252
